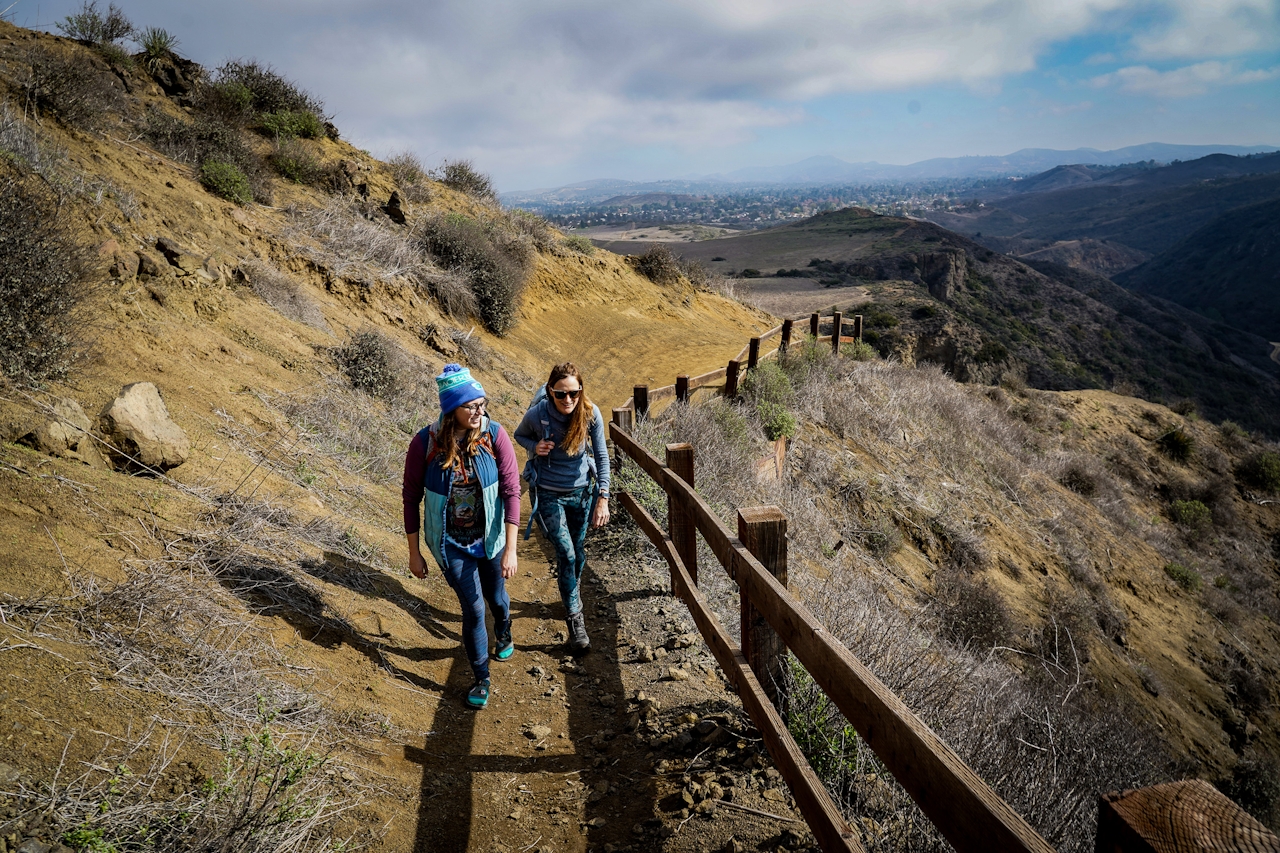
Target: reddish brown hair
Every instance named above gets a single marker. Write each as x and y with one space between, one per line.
575 437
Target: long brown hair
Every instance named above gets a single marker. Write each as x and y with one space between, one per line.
575 437
450 439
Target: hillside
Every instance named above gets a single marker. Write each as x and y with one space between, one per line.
932 295
1144 209
249 610
1228 271
226 651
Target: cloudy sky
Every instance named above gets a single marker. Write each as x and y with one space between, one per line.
546 92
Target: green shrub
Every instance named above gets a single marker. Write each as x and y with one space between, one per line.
858 351
578 243
768 383
657 264
244 89
750 272
157 45
79 94
496 276
1188 579
1192 515
462 176
116 55
368 362
206 138
292 124
46 282
295 162
93 28
1262 471
776 420
1178 444
226 180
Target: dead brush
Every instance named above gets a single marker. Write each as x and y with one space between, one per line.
282 293
274 792
362 435
346 239
1049 744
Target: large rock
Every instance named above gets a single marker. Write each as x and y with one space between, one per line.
944 272
138 426
65 433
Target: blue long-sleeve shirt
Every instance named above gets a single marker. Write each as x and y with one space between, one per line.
559 471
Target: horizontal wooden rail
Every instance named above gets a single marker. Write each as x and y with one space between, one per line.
824 818
965 810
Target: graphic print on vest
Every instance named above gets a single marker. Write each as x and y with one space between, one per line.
464 516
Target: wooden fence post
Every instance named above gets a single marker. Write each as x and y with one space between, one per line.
640 397
813 324
682 388
1177 816
763 531
680 523
731 380
835 332
753 353
621 417
857 327
786 337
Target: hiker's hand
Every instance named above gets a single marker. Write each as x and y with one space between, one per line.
509 564
417 566
544 447
600 517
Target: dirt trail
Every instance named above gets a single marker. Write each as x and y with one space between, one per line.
565 758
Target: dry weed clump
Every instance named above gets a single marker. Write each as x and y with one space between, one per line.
273 792
343 237
282 293
362 435
73 88
1049 745
657 263
496 262
463 176
48 279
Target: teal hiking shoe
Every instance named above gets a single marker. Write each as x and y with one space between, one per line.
478 695
504 647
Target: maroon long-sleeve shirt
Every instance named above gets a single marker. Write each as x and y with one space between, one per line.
415 466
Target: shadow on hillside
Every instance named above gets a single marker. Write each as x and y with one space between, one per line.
604 754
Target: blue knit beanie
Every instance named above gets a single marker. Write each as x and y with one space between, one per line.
457 388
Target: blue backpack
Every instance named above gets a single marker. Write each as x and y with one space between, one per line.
530 473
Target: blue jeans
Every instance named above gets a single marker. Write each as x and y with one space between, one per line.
476 580
564 518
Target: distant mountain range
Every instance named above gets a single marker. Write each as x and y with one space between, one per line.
833 170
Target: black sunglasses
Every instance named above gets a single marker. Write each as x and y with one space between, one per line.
572 395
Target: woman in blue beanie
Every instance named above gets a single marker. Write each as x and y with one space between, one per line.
463 471
568 473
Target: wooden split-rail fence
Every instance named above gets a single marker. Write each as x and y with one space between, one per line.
1179 817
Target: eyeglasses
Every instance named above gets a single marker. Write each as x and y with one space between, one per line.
474 408
572 395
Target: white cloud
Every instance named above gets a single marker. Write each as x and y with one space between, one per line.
521 85
1199 29
1185 82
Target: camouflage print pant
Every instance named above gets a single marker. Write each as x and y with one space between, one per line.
564 518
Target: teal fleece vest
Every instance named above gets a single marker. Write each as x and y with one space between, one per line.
437 483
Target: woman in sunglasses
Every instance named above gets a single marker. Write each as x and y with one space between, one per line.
570 485
463 469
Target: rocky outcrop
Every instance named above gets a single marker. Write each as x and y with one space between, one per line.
138 426
943 272
65 434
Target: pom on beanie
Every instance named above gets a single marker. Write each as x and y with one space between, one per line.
457 388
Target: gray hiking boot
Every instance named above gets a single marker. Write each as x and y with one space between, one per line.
578 639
